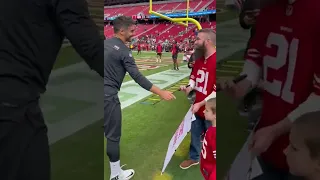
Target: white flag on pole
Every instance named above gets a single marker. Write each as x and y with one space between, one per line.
178 137
244 167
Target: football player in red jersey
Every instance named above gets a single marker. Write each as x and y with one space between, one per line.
139 48
202 80
286 53
159 52
175 51
209 151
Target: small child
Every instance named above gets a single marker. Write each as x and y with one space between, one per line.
303 152
208 153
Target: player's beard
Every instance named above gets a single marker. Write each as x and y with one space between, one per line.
198 54
200 49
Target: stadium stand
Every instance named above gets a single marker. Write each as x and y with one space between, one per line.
163 7
151 31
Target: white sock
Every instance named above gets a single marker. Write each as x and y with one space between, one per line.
115 168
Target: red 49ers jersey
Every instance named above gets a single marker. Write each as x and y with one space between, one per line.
208 155
159 48
204 76
286 50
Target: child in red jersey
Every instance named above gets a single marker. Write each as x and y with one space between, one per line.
208 153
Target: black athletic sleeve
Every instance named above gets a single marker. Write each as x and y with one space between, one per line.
77 25
132 69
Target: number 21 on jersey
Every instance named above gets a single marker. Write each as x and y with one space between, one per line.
286 53
202 81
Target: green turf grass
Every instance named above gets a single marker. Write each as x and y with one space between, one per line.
146 135
67 56
76 155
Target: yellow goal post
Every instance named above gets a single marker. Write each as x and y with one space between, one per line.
181 21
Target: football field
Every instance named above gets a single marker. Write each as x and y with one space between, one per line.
73 108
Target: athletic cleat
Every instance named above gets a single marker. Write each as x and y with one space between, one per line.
124 175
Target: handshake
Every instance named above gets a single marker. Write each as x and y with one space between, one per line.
221 85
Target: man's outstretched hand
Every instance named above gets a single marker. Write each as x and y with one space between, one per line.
167 95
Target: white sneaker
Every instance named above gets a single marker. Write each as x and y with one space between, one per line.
124 175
